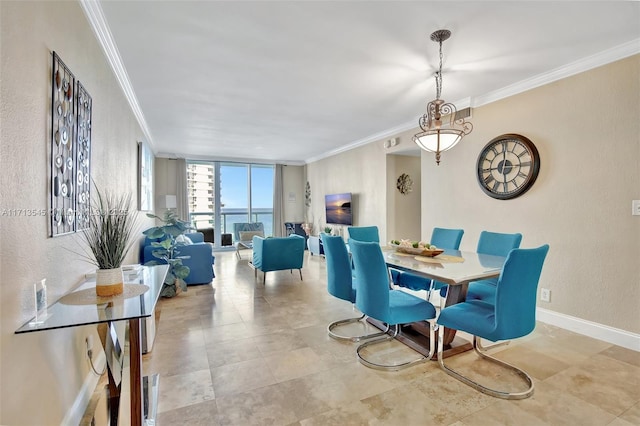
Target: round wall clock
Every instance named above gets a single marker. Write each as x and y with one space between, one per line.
508 166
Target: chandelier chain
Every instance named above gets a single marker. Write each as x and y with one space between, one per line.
439 75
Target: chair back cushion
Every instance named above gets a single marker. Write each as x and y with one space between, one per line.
195 237
372 282
339 281
447 238
364 233
278 253
497 244
516 292
513 314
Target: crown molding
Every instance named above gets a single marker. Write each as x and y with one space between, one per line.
98 23
603 58
208 158
585 64
364 141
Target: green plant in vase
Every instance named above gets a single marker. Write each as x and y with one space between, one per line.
167 249
110 235
327 230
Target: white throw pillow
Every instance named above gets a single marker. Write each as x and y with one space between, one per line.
184 240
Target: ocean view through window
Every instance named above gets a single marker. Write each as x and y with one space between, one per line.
223 193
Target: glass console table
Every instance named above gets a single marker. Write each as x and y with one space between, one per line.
81 307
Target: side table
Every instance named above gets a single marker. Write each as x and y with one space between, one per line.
71 311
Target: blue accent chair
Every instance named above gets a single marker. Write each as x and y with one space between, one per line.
376 299
495 244
364 233
197 256
340 283
277 254
512 315
442 238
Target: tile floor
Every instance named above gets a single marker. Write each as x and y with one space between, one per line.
240 352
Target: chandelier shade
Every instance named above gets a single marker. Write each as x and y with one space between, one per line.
441 129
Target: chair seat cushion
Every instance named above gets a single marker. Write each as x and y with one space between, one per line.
474 317
405 308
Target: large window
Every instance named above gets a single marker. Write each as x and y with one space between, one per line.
225 193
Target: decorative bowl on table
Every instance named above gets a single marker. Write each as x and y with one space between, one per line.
421 250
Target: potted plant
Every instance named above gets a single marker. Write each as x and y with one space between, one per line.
168 251
327 230
112 226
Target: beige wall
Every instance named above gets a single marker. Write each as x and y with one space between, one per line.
361 171
587 131
166 176
42 373
403 210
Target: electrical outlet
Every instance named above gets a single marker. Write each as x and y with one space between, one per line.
545 295
635 207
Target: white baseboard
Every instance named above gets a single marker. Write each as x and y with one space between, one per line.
608 334
76 411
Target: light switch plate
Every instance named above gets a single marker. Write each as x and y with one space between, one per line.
635 207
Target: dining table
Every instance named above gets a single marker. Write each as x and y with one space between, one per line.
453 267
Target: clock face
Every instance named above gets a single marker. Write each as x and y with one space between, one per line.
508 166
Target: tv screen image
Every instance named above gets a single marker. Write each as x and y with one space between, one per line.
338 209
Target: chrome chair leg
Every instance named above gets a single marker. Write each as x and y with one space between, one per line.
396 367
480 347
492 392
336 336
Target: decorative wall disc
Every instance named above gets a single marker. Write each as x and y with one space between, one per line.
404 183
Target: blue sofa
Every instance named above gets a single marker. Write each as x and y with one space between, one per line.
199 259
277 254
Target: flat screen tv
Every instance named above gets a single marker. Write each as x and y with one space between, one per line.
338 209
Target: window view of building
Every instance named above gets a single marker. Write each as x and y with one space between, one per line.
200 193
245 194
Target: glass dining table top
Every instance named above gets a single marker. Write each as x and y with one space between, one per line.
455 267
83 307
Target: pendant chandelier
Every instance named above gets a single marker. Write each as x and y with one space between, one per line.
441 130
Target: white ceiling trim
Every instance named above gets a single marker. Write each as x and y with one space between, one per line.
208 158
98 23
603 58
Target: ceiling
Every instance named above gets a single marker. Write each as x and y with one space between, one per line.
294 81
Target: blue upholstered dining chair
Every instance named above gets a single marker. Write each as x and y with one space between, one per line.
512 315
496 244
364 233
442 238
376 299
340 283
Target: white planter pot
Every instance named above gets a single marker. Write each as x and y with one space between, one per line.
109 282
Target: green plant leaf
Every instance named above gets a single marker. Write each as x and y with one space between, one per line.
154 233
168 290
181 271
